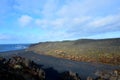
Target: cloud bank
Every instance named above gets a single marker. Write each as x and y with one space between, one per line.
67 19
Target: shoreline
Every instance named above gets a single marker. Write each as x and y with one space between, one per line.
93 60
22 51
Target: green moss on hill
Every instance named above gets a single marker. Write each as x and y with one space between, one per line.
101 50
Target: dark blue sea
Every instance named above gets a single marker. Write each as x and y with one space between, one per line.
11 47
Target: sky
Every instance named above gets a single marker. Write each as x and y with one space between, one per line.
32 21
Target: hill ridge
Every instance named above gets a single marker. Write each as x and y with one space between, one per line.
91 50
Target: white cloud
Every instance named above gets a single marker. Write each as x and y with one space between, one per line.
56 36
58 23
29 6
4 37
71 18
42 22
49 8
77 8
62 23
24 20
105 21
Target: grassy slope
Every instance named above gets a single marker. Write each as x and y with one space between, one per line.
102 50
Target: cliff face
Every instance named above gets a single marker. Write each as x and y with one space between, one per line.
100 50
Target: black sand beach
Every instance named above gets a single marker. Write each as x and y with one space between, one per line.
53 66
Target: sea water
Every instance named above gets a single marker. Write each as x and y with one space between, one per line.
11 47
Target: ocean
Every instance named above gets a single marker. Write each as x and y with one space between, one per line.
11 47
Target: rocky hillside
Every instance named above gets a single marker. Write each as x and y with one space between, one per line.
90 50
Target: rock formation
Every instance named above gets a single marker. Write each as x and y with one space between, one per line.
108 75
68 75
18 68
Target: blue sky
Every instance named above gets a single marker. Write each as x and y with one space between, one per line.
31 21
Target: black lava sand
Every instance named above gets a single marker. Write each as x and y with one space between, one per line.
54 66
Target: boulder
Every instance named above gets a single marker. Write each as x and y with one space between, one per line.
89 78
68 75
108 75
